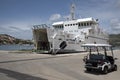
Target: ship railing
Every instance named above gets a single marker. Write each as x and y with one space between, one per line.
56 51
40 26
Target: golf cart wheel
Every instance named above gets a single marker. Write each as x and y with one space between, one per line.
105 71
88 69
115 68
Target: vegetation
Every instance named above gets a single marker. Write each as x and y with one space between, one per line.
114 39
7 39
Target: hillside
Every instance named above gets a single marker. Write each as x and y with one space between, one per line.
7 39
114 39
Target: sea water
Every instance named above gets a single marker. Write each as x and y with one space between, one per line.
16 47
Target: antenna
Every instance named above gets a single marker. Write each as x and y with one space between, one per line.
72 11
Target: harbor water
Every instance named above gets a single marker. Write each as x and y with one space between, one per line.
27 47
17 47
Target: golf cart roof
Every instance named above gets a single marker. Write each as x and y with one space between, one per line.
96 45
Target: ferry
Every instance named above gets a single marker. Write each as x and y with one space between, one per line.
68 35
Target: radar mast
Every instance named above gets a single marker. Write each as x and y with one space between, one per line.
72 11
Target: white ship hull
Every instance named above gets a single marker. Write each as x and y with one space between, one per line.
47 39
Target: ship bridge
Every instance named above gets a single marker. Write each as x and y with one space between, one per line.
75 26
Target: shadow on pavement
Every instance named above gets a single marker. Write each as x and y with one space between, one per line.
18 75
32 59
95 72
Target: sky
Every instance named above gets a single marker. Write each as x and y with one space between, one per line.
18 16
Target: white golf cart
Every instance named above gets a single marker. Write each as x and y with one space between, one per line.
100 58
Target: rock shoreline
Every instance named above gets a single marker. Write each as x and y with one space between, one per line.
7 39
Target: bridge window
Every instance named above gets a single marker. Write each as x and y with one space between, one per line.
58 27
81 24
90 23
84 24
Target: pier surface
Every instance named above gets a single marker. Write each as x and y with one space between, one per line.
32 66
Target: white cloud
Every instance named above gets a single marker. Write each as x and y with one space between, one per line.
19 29
67 17
114 21
115 25
16 29
16 32
55 17
105 10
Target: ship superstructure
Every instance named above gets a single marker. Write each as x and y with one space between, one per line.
68 35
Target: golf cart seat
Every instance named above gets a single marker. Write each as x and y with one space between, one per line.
110 58
96 56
